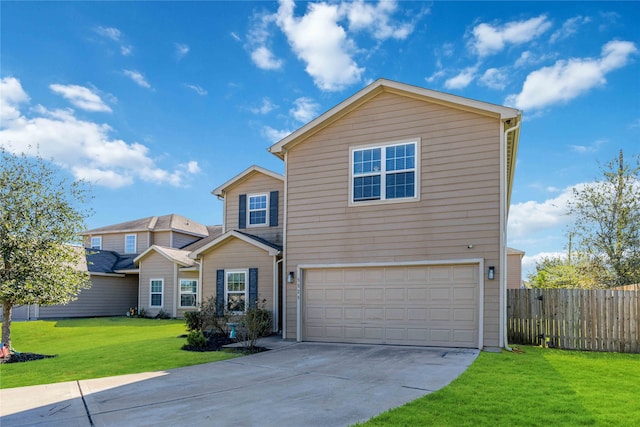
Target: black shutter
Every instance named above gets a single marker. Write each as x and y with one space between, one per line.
273 209
253 287
220 292
242 212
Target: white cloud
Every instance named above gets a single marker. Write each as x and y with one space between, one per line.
591 148
462 79
192 167
264 59
181 50
532 217
529 261
305 110
109 32
275 135
197 89
137 77
81 97
319 41
569 28
235 36
265 108
494 78
83 147
488 39
376 19
115 35
568 79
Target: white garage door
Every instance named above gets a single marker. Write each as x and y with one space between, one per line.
417 305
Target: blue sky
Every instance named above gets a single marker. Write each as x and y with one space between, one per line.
159 103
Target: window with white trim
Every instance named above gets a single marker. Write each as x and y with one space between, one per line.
96 242
130 244
157 289
258 205
188 292
235 290
385 172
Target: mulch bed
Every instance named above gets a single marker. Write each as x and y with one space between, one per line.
214 343
24 357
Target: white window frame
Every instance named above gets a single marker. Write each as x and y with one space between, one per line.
135 243
195 294
227 292
266 210
151 293
383 173
97 246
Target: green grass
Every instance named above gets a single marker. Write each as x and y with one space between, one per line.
540 387
93 348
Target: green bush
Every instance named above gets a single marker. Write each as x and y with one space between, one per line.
195 320
196 339
163 315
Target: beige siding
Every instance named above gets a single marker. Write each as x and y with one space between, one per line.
514 271
115 242
236 254
256 183
162 238
108 296
156 266
459 195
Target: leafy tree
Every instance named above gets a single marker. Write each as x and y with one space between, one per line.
39 221
607 221
576 271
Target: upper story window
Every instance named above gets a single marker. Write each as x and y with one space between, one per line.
384 172
96 242
258 205
130 244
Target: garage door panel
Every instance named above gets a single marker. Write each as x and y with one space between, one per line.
422 305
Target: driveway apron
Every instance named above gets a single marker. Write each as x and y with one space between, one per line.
295 384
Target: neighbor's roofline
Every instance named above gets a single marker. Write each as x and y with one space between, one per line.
219 191
384 85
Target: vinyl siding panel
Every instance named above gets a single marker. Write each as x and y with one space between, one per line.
256 183
514 271
181 240
459 195
237 254
162 238
155 266
108 296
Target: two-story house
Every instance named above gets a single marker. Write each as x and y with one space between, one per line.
396 204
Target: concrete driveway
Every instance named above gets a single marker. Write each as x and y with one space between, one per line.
295 384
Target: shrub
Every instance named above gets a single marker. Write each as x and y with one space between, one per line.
163 315
196 339
195 320
255 323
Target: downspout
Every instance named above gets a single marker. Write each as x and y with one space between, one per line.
276 296
503 238
200 299
176 288
284 248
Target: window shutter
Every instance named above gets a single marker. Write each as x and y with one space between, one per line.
242 211
253 287
273 209
220 292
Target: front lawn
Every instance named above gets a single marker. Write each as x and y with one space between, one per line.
101 347
539 387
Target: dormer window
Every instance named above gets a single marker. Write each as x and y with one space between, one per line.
258 209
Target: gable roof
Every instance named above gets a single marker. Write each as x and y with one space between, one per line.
215 231
179 256
384 85
510 117
219 191
256 241
170 222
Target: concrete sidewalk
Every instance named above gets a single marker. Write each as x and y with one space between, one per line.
295 384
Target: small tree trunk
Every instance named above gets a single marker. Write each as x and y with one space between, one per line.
6 323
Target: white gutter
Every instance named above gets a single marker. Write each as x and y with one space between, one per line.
277 263
503 236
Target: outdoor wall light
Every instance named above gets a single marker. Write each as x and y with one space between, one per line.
492 273
290 277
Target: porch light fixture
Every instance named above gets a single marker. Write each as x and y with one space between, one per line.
492 273
290 277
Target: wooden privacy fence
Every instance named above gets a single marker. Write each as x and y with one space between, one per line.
576 319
